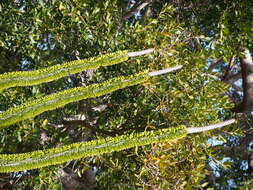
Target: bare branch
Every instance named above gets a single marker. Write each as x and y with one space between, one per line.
239 151
136 8
149 12
232 62
85 124
237 88
215 63
232 78
232 152
228 70
209 127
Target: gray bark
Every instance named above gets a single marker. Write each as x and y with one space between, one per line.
247 78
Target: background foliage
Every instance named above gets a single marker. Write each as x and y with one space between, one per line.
38 34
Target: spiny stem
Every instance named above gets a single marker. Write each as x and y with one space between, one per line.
42 158
60 99
56 100
29 78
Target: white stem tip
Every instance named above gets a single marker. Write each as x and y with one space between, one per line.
138 53
167 70
209 127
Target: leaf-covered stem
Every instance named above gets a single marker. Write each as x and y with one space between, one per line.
42 158
56 100
29 78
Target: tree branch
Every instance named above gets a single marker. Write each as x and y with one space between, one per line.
136 8
232 78
229 68
85 124
240 151
215 63
247 78
237 88
250 164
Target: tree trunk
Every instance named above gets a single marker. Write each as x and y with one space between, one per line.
247 78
